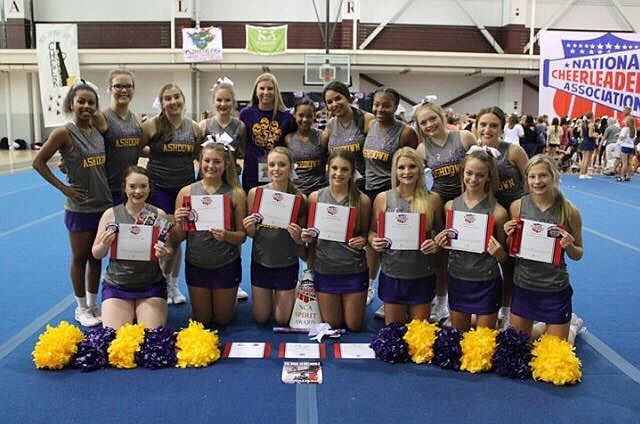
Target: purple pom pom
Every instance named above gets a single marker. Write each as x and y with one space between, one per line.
158 350
447 348
512 355
389 344
92 351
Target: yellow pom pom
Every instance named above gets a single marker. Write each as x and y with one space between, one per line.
478 346
197 347
122 350
56 346
555 361
420 337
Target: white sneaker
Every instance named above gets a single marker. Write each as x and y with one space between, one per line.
96 311
242 295
371 294
582 177
86 318
174 296
379 312
439 312
577 324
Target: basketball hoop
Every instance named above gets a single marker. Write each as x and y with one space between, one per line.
327 73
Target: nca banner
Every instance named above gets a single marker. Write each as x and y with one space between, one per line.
58 68
589 71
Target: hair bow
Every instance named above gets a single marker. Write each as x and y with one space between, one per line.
223 80
489 150
156 104
428 99
219 139
82 81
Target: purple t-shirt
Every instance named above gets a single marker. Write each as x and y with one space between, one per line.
263 134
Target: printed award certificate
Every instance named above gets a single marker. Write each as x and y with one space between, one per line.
469 232
253 350
402 230
302 350
332 222
276 208
536 241
135 242
353 351
211 211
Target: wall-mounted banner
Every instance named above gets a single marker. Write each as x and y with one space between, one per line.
14 9
266 40
58 68
589 71
202 44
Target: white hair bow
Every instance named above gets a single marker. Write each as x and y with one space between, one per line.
223 80
81 81
428 99
156 104
489 150
219 139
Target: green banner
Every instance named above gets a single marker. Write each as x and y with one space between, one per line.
266 40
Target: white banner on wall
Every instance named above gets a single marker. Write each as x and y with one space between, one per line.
351 10
589 71
202 44
14 9
58 68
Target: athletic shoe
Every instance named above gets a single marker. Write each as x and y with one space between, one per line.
86 318
242 295
504 318
379 313
582 177
577 324
96 311
174 296
439 312
371 294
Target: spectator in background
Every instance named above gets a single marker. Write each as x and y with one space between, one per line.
513 131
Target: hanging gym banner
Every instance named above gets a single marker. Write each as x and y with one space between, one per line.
202 44
266 40
58 68
589 71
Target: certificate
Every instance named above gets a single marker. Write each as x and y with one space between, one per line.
469 232
211 211
403 230
332 222
353 351
276 208
254 350
135 242
536 241
302 350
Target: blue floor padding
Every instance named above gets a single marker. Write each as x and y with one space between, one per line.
34 278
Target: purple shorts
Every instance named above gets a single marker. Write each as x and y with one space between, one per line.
341 283
626 150
117 198
373 193
588 145
165 198
224 277
158 289
550 308
82 222
475 297
274 278
415 291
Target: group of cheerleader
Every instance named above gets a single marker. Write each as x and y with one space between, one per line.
371 162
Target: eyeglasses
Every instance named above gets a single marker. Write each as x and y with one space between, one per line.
122 86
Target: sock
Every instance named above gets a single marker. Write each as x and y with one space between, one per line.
92 298
81 301
504 311
372 283
441 300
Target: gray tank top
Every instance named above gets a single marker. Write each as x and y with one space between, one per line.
171 164
511 185
351 139
408 264
473 266
122 143
332 257
234 129
539 276
379 147
309 158
273 247
135 275
203 250
86 171
445 163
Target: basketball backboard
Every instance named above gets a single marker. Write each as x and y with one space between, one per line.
321 69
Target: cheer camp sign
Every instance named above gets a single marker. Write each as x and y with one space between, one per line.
589 71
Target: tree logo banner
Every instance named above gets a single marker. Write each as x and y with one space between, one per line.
202 44
589 71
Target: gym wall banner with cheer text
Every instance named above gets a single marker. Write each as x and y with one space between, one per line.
589 71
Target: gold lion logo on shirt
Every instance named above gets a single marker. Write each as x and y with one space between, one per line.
266 133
